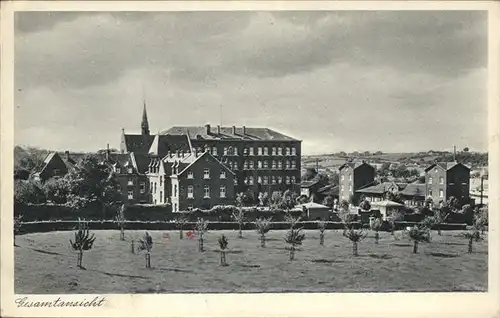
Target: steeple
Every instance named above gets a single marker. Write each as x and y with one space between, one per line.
144 123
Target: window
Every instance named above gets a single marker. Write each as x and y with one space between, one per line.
287 180
273 180
265 180
214 151
223 174
130 194
287 151
142 187
118 170
222 191
342 177
280 164
190 175
175 190
350 188
280 151
430 192
280 179
441 193
259 164
175 207
287 164
245 165
235 151
235 181
441 180
342 187
250 164
274 165
161 196
350 177
294 152
161 181
224 151
436 170
130 170
266 164
235 165
259 151
293 179
273 151
190 193
292 166
430 180
155 187
206 173
250 151
266 151
206 191
130 182
259 180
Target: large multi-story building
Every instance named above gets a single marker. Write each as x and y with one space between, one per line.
446 179
258 160
353 176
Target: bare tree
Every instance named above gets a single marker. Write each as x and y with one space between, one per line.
263 226
322 228
376 226
239 217
223 246
294 237
200 228
180 222
120 220
84 241
472 235
146 244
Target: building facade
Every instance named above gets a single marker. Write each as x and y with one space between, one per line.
352 177
447 179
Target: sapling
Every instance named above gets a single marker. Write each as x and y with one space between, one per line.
322 228
181 222
223 246
17 226
294 237
376 226
418 234
262 226
120 220
239 217
146 244
290 219
472 235
200 228
355 236
83 241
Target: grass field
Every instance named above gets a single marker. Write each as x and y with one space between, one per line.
44 263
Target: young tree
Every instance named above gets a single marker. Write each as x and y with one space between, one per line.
146 244
17 226
418 234
396 216
440 216
328 201
481 219
428 223
120 220
355 236
239 215
262 226
223 246
180 222
294 237
290 219
200 228
263 198
472 235
376 226
83 241
322 228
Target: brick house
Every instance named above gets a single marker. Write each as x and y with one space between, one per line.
412 194
56 164
446 179
262 159
130 170
352 177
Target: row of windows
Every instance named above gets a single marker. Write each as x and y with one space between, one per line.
264 164
342 188
342 177
119 170
268 180
251 151
441 181
441 193
206 174
206 191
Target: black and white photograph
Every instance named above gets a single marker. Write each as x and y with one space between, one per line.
249 152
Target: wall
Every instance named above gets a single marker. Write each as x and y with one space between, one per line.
458 182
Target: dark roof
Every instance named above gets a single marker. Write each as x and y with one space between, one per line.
185 168
445 165
329 189
382 187
310 183
162 144
69 160
354 164
251 133
141 162
138 143
414 190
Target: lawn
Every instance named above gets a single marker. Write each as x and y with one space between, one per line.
44 263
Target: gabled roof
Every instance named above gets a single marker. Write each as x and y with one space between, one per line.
310 183
201 156
414 190
251 133
310 205
382 187
386 203
138 143
354 164
162 144
68 162
446 165
329 189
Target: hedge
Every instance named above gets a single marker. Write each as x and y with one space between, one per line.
49 226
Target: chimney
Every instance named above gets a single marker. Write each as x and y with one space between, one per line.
207 128
234 130
455 153
218 129
66 154
177 153
244 130
107 152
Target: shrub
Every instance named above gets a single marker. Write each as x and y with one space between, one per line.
376 226
83 241
294 237
418 234
355 236
263 226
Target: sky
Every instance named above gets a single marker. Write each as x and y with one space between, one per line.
394 81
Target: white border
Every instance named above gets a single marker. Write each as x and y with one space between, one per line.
254 305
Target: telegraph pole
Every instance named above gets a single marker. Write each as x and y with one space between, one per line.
482 189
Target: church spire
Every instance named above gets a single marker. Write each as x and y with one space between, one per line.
144 123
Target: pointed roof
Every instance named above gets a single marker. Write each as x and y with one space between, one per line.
355 164
138 143
446 165
144 122
206 153
162 144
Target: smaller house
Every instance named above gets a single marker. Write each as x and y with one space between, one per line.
387 208
314 210
310 187
54 165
